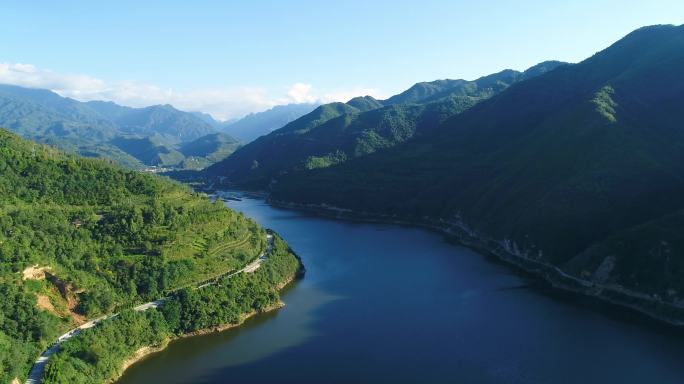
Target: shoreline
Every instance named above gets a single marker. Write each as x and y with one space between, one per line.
144 352
508 254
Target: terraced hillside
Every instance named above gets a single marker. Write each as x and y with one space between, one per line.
81 237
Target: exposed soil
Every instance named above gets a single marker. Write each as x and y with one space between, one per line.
34 273
45 304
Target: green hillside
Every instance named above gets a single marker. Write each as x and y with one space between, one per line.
337 132
149 151
41 113
425 90
581 167
46 117
208 150
133 137
365 103
193 155
165 121
81 237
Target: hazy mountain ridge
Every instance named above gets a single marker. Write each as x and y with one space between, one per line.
158 120
131 136
258 124
38 112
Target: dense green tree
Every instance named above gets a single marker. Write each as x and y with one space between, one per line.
580 168
335 133
110 237
97 354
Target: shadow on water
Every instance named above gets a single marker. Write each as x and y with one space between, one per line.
593 305
514 288
610 311
193 358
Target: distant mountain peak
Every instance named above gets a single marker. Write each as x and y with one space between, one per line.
92 128
365 103
543 67
335 132
258 124
580 168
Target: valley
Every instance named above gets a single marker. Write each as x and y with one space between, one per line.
428 192
397 294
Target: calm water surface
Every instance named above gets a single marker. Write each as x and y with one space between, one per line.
382 303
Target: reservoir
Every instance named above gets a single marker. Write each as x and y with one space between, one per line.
383 303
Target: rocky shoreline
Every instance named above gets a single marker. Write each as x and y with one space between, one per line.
506 252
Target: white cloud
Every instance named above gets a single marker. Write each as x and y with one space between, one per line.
27 75
305 93
222 103
301 93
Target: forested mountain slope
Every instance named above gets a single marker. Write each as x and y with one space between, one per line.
207 150
152 135
163 121
81 237
581 167
46 117
336 132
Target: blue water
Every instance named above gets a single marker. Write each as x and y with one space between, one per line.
383 303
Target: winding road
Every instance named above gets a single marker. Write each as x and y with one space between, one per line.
36 374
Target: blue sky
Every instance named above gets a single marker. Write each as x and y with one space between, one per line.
232 57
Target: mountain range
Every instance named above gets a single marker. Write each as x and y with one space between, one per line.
158 135
336 132
580 167
575 172
254 125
